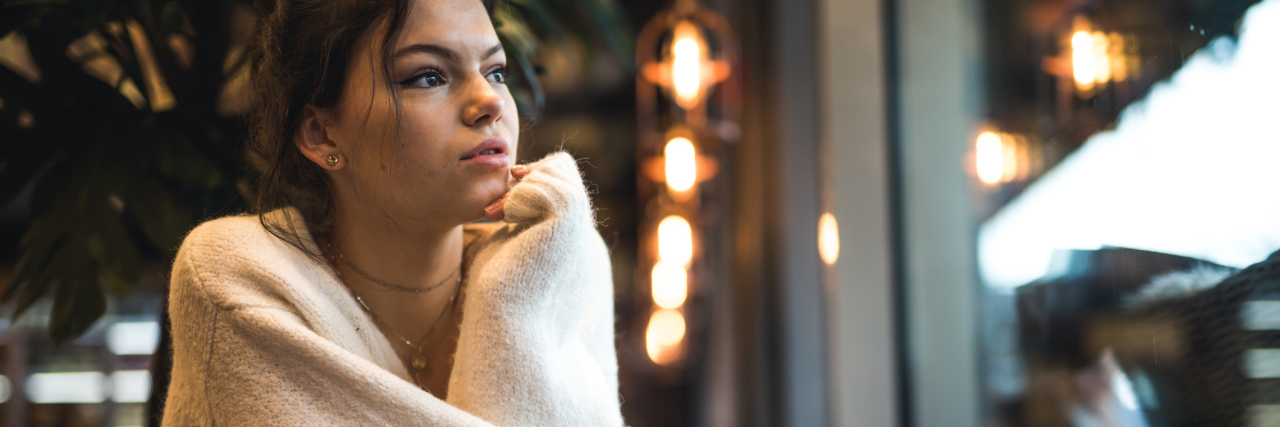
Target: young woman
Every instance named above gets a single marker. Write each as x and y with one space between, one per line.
362 292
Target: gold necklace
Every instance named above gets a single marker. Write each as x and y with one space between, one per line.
419 361
392 286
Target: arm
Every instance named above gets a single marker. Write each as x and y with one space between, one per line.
537 331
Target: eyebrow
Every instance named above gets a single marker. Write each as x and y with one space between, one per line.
441 51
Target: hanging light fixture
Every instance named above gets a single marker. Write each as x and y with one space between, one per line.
1092 58
687 109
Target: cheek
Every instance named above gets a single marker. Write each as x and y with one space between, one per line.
367 129
423 138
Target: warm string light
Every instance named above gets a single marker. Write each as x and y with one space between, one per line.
670 283
1101 58
686 65
989 154
683 54
828 239
1084 63
675 240
1002 157
680 164
1097 57
670 287
662 339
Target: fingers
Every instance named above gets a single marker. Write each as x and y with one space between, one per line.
497 210
519 172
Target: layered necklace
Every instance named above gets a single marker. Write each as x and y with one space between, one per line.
393 286
419 360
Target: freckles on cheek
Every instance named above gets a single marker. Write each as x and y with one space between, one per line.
419 157
422 137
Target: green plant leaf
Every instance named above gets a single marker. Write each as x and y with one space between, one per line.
608 21
527 70
121 48
52 188
33 290
518 36
78 300
537 14
161 218
39 246
17 174
116 256
68 257
172 18
177 157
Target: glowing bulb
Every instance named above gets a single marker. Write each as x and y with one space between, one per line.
1083 59
1009 144
675 240
686 65
681 164
670 284
828 239
666 329
990 157
1101 59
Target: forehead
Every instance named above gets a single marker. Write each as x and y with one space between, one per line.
461 23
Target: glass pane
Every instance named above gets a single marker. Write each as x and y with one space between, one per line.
1128 167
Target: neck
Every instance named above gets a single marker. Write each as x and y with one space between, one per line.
415 257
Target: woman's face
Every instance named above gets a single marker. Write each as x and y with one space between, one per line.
449 154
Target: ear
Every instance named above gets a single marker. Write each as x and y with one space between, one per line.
312 139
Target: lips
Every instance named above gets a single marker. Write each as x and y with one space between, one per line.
490 147
490 154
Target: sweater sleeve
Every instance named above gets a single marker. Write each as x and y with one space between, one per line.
536 346
257 362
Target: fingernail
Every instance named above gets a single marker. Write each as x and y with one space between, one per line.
494 213
519 169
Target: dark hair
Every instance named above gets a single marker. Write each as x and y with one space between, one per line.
299 53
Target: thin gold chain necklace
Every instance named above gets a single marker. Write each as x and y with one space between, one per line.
419 360
392 286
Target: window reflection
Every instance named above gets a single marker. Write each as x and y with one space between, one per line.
1184 172
1135 281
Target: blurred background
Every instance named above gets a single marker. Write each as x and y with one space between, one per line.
820 212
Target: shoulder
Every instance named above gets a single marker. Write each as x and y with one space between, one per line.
248 232
223 239
232 259
223 232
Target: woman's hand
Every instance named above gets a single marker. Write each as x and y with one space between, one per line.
536 345
497 210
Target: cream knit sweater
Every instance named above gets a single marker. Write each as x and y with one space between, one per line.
264 335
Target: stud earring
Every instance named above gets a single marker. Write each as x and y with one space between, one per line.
331 160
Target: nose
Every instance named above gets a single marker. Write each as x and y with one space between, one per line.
484 105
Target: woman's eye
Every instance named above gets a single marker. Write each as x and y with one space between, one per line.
428 79
499 75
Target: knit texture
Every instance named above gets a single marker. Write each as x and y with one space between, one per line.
264 335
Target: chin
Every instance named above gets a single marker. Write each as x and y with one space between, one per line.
484 194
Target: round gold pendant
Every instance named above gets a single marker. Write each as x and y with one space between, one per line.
419 361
